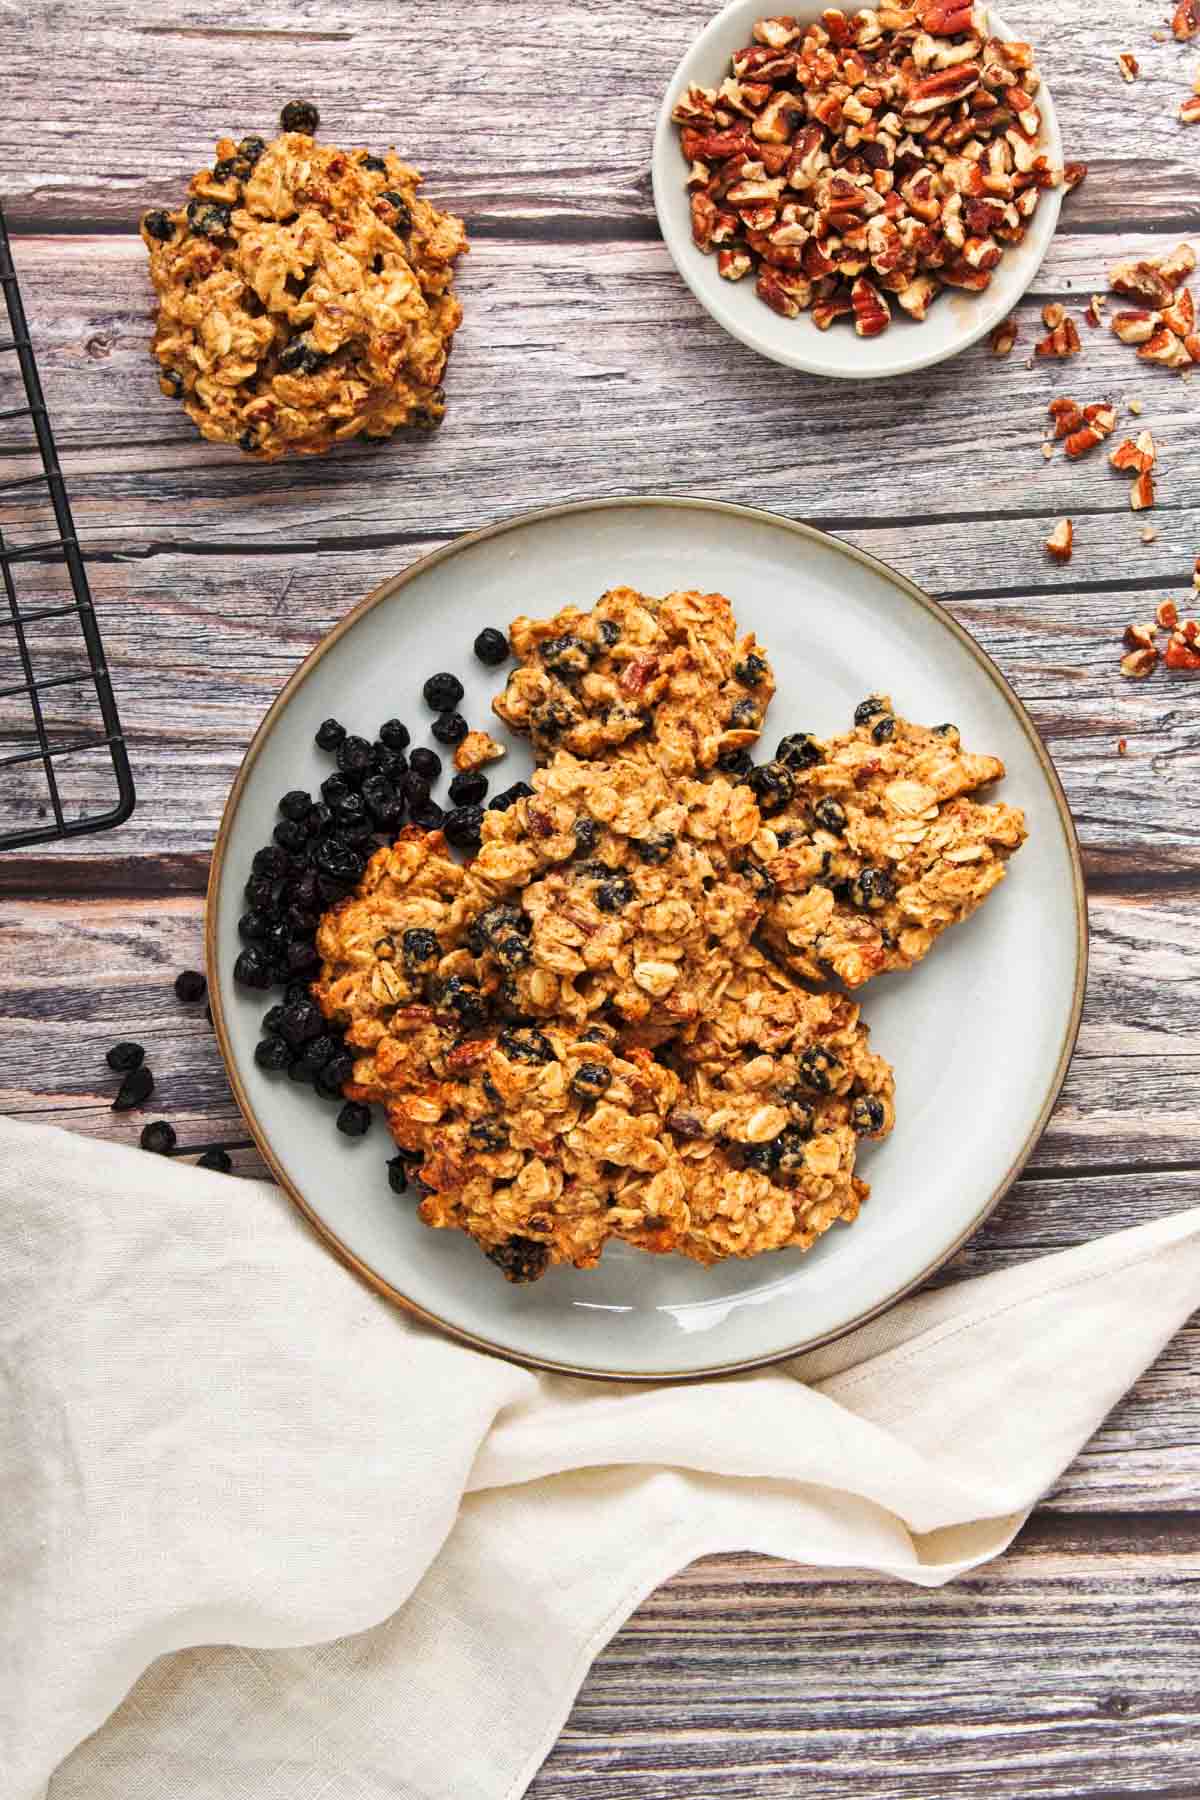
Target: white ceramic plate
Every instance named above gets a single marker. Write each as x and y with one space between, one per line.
956 318
980 1034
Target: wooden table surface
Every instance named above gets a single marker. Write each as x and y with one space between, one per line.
585 368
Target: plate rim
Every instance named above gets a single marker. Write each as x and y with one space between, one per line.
393 585
661 152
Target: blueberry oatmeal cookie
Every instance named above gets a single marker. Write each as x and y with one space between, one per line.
880 843
669 677
304 294
635 893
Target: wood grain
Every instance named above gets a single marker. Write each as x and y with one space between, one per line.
584 368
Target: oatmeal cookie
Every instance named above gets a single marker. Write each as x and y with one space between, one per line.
879 844
668 677
635 893
393 972
304 296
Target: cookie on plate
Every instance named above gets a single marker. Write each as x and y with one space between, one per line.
304 295
668 677
880 843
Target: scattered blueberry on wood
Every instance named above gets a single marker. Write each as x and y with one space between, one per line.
125 1056
300 115
190 985
135 1089
158 1136
217 1159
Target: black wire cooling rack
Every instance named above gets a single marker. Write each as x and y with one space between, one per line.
45 665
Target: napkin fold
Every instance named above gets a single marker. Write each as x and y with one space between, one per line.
295 1543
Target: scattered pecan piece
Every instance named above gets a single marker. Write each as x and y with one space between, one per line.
1186 21
1196 574
1003 336
1062 340
1073 174
1166 614
1135 456
1128 65
1053 315
1180 316
1067 416
1140 637
1181 654
1141 494
1122 746
1061 540
1179 264
1138 664
1165 349
1099 422
1189 110
1142 280
1135 327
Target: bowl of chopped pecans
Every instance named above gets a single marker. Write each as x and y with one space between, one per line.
858 194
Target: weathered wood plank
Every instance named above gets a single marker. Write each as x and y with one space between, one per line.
518 114
1066 1669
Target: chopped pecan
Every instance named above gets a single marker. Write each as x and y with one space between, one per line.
1136 327
1141 494
1138 664
1100 422
1140 637
1063 341
1186 21
1165 349
1136 458
1060 541
1073 174
837 306
733 264
916 296
1128 65
1067 416
1180 316
1053 315
786 294
1181 654
1166 614
1003 336
1189 110
872 314
1178 265
1141 281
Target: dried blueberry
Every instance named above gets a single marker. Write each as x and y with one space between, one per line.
375 163
290 836
159 1136
488 1134
252 969
273 1054
217 1159
392 764
397 1175
745 716
330 734
250 149
491 647
830 816
946 731
685 1125
818 1069
136 1087
415 789
302 957
464 1000
763 1158
296 805
402 223
340 861
521 1259
299 358
354 1120
272 1021
208 218
158 225
883 729
260 892
354 758
612 896
393 734
174 381
336 1073
378 797
590 1080
270 861
442 693
303 891
566 655
525 1043
319 819
609 631
426 763
318 1051
868 708
512 952
871 888
772 785
790 1147
254 927
420 948
450 728
796 1099
125 1056
301 1022
462 826
799 750
468 789
735 762
520 790
300 115
655 849
551 720
750 672
761 884
427 817
866 1115
227 169
595 1034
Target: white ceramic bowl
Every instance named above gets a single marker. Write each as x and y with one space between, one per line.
979 1034
956 318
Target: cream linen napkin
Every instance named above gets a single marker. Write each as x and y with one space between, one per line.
212 1435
